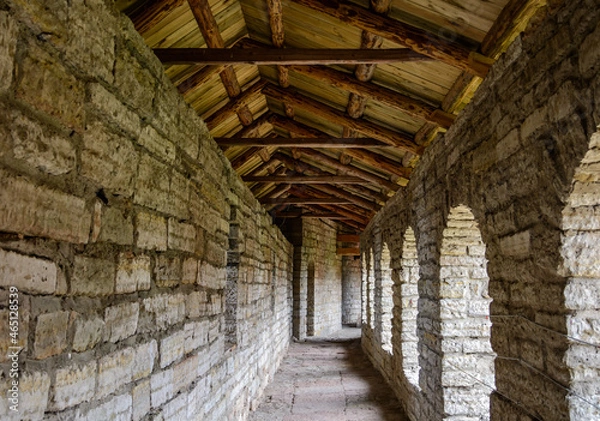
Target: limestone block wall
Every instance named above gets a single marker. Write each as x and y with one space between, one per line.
324 276
120 221
317 278
351 294
498 230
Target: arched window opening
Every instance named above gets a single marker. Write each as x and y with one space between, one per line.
386 299
468 360
407 307
581 264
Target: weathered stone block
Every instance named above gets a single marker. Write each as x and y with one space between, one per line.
8 46
167 309
189 271
161 387
134 82
167 271
93 277
73 385
185 372
114 371
176 409
41 148
179 196
153 183
133 273
196 335
33 397
47 19
118 408
28 274
157 144
116 226
121 321
589 56
31 210
88 332
94 28
24 316
143 363
109 159
171 348
517 245
108 106
51 334
212 277
141 400
151 231
47 86
195 304
181 236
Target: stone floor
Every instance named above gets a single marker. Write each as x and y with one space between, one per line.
328 379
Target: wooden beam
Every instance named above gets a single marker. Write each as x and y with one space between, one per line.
210 31
404 103
348 238
420 41
304 179
151 12
307 169
253 131
286 56
198 78
234 106
369 129
240 160
302 201
300 214
379 161
348 169
342 194
303 142
359 215
348 251
295 128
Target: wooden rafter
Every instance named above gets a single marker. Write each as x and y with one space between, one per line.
369 129
282 57
304 201
254 130
303 179
348 238
413 107
300 214
420 41
152 12
234 106
307 169
348 169
379 161
303 142
210 31
358 213
342 194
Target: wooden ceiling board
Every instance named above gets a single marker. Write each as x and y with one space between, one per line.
466 19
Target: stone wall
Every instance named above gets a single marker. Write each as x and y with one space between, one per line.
324 277
504 209
317 281
120 221
351 295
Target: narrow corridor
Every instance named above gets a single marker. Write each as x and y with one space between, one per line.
328 379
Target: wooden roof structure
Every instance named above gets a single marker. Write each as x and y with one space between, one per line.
323 107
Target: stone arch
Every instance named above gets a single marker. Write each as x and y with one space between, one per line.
406 307
468 374
580 250
385 299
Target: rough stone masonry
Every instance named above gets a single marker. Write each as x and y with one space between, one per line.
117 215
498 230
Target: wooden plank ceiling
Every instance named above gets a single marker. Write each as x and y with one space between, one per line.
324 107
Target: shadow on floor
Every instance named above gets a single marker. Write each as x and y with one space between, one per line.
328 379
